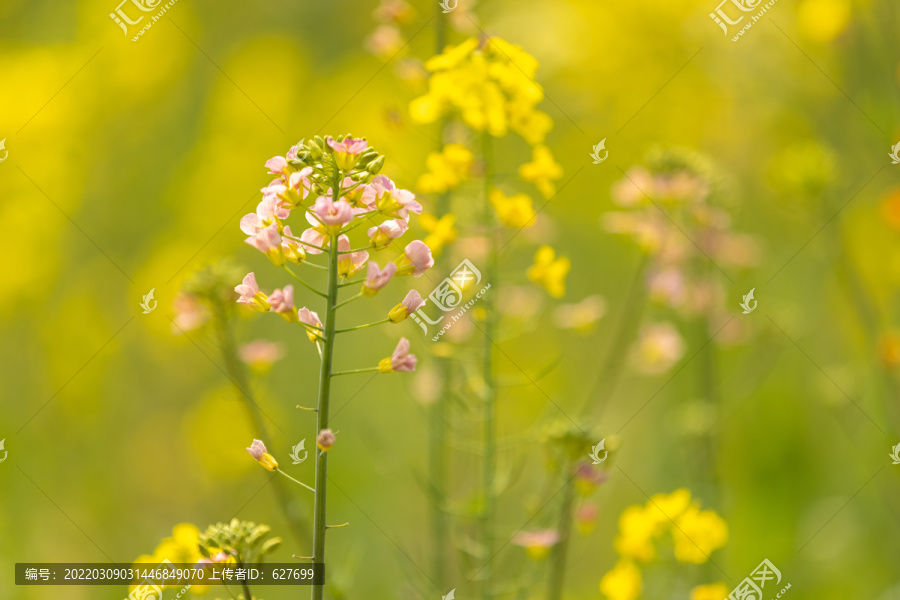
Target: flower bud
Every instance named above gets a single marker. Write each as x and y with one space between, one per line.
325 440
258 451
375 166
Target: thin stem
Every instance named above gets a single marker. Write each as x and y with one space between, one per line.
489 408
348 300
354 371
388 320
360 222
356 250
303 283
609 373
319 525
297 481
348 283
556 582
247 594
296 239
236 371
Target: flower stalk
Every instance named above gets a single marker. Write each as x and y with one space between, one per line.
331 303
490 388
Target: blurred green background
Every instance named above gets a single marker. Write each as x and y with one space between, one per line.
130 164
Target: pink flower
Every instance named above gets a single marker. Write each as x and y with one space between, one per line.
377 278
291 248
250 294
346 153
348 146
416 259
257 449
333 215
282 302
277 165
384 234
401 361
267 211
308 317
299 182
268 242
410 304
537 543
348 264
260 354
315 237
658 349
381 193
190 313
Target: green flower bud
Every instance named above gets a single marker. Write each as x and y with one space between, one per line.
270 545
376 165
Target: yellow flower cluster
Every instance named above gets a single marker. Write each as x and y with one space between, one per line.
550 271
446 169
695 535
440 231
541 171
183 547
513 211
492 87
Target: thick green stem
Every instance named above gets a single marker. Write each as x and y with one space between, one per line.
490 391
561 551
319 525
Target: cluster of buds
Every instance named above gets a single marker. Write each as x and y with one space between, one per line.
225 542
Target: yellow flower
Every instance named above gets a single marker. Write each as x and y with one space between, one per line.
823 20
541 171
181 548
710 591
638 527
550 271
698 534
446 169
623 582
440 231
490 86
514 211
669 507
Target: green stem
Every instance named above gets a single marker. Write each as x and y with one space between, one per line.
303 283
297 481
381 322
237 373
608 375
355 371
307 244
319 525
489 408
561 551
348 300
360 222
347 283
356 250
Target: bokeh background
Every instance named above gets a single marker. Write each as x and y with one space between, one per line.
131 163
